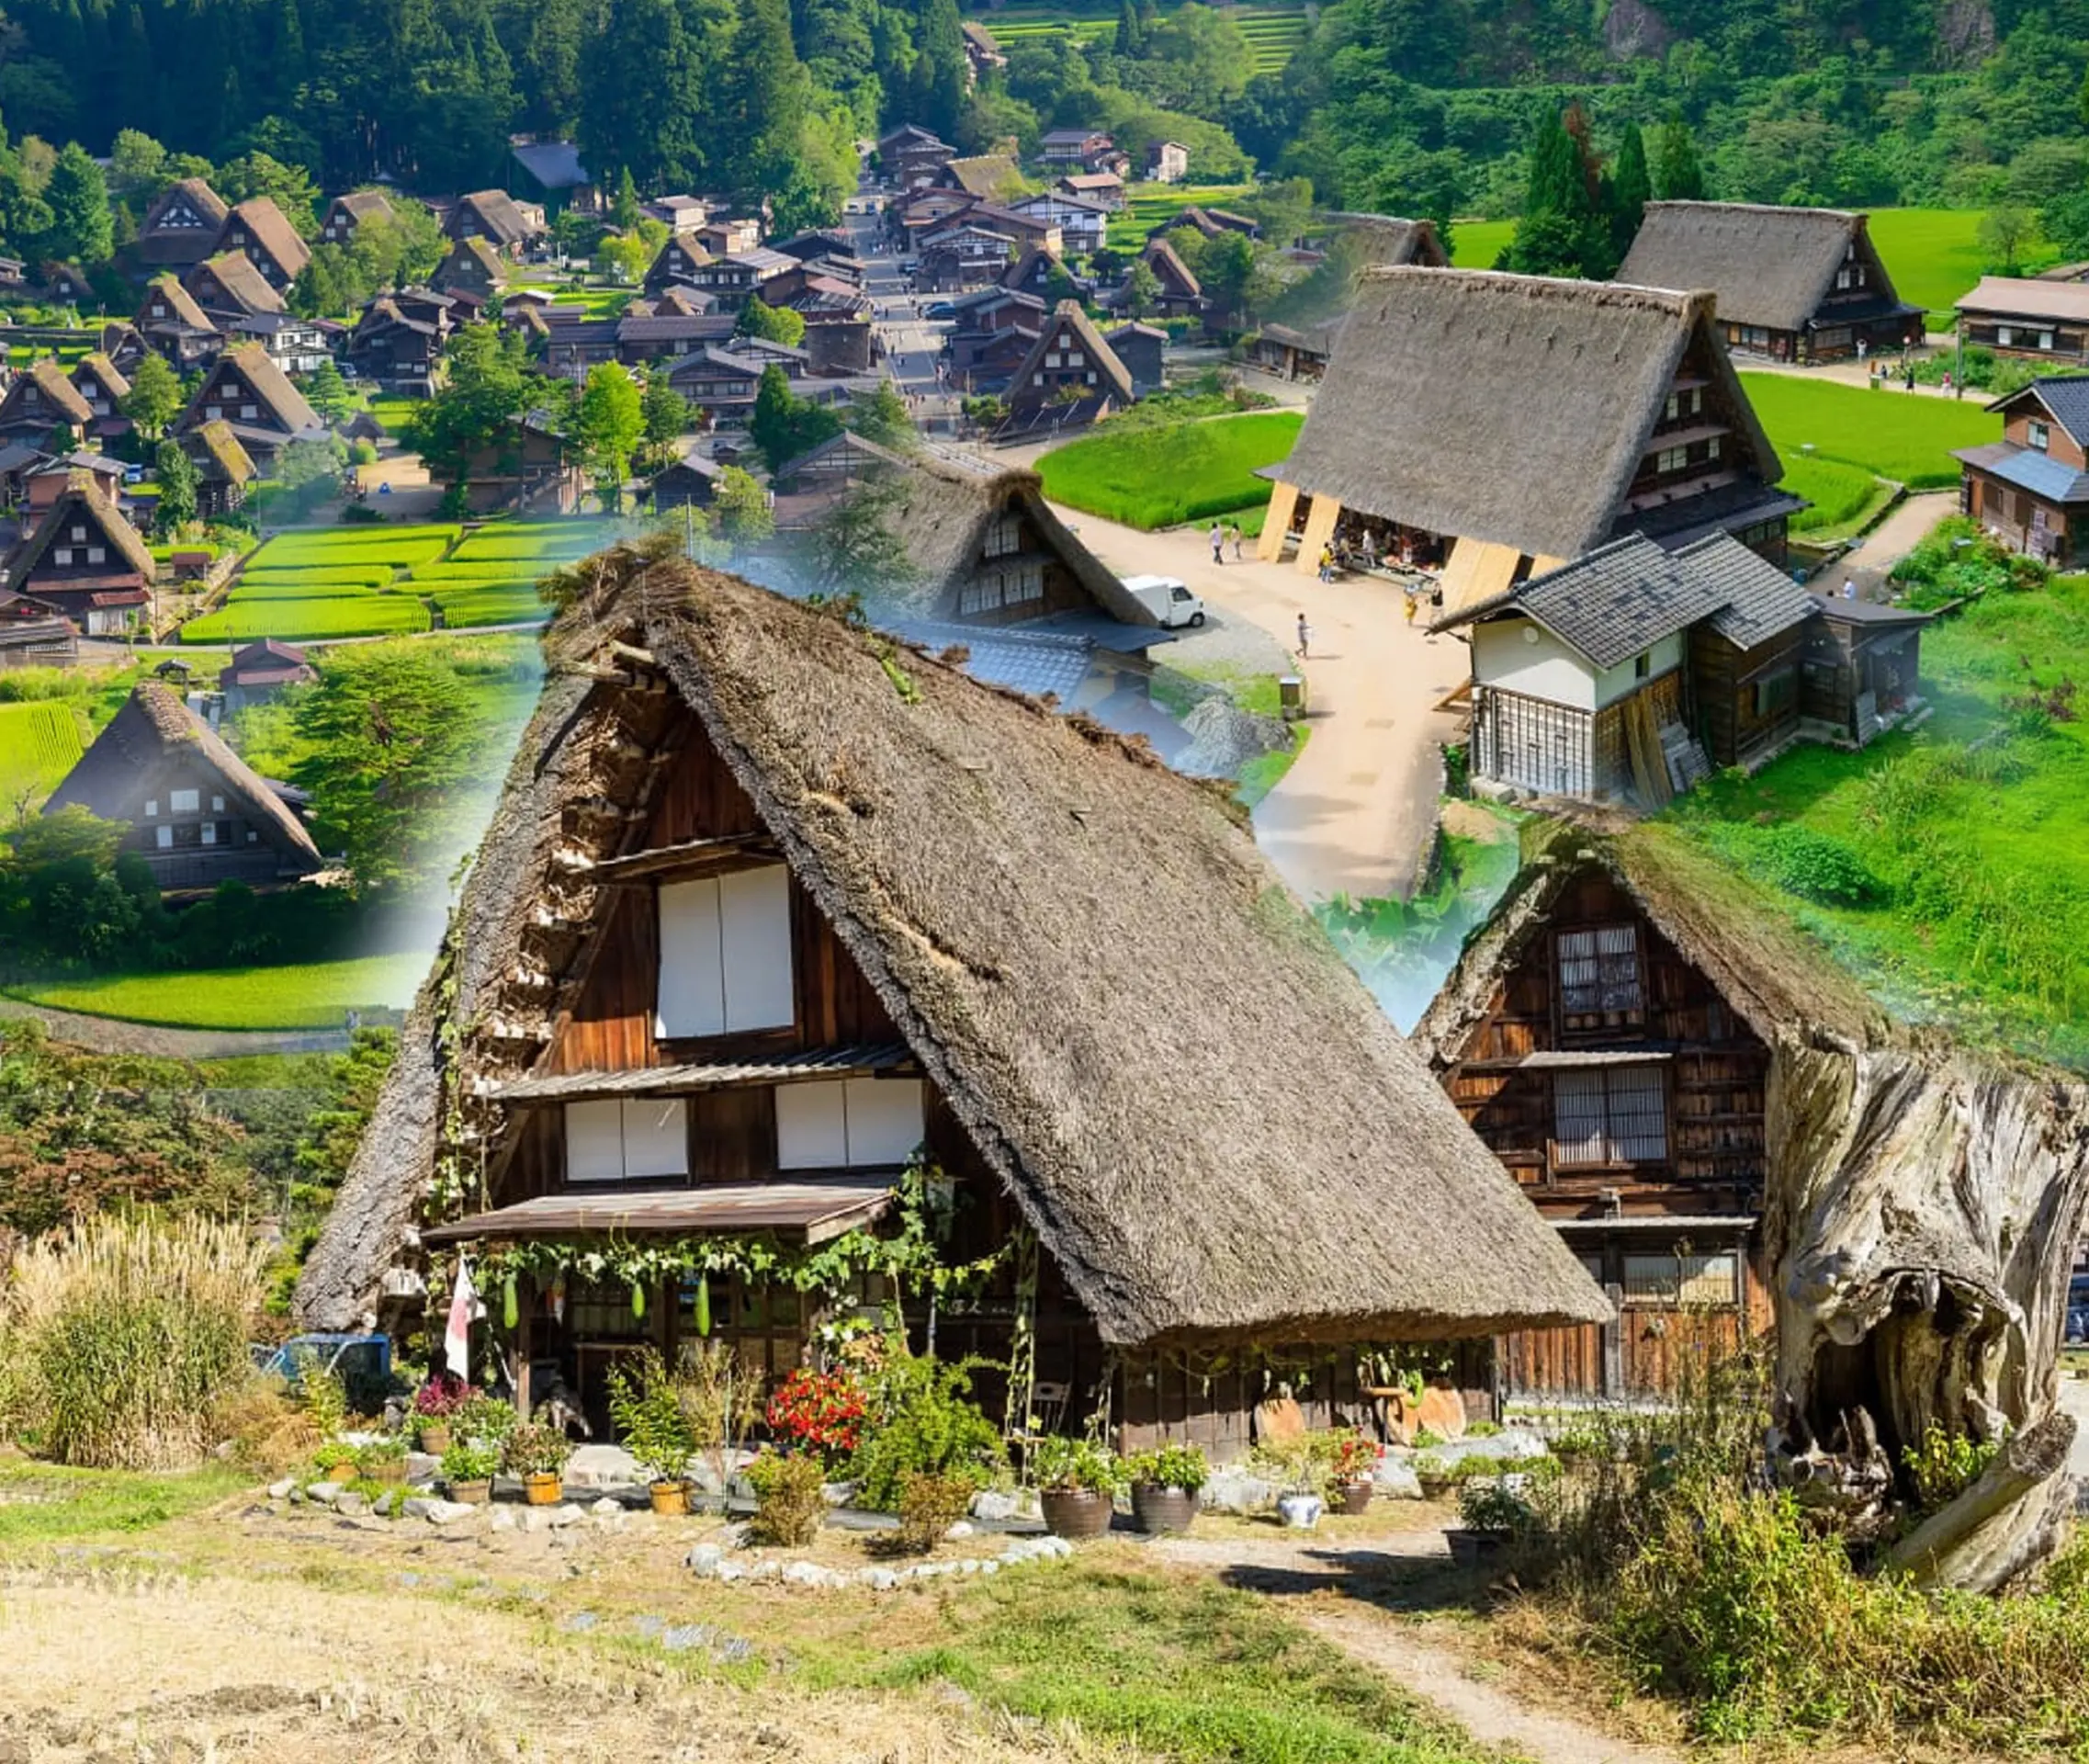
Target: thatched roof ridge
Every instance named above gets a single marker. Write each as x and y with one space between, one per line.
104 373
179 300
153 722
221 447
82 495
1513 409
1773 975
208 204
286 403
59 393
1769 267
241 280
273 232
1060 928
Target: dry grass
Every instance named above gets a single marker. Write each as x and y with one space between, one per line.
183 1672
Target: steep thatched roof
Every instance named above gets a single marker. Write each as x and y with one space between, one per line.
235 276
180 303
153 724
1113 379
496 212
1513 409
285 403
1768 971
1176 276
59 394
104 373
1063 930
270 230
217 449
1767 267
988 176
82 496
195 194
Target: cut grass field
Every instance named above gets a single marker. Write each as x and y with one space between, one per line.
1147 205
1982 855
313 995
1165 475
1906 436
39 743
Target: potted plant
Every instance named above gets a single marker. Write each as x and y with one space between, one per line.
538 1454
468 1473
1076 1481
1435 1475
1165 1481
1299 1467
1352 1469
382 1460
646 1410
1490 1512
435 1405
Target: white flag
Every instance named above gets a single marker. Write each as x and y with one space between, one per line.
456 1333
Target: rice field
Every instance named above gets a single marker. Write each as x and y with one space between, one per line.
374 582
1906 436
39 743
1182 471
1474 244
1147 205
311 995
1275 32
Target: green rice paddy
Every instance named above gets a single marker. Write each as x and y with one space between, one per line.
1147 205
1906 436
314 995
1474 244
1275 32
39 743
1170 473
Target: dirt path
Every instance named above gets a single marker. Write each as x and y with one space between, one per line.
1353 815
1365 1580
108 1035
1905 528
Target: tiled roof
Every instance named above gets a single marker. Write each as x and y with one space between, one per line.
2029 469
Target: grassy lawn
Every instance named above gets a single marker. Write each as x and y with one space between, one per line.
300 996
39 743
1972 864
392 410
1907 437
1161 476
40 1502
1933 256
1845 499
1474 244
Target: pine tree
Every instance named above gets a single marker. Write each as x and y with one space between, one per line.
1131 37
1561 232
81 228
765 97
1630 190
939 69
623 212
1677 174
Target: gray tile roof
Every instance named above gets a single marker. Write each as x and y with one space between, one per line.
1762 601
2067 397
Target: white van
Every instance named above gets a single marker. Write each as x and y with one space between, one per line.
1167 599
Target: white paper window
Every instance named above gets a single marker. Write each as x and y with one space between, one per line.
218 804
209 833
726 953
184 802
62 555
96 555
855 1123
1664 1277
247 412
166 838
152 807
79 533
1599 970
618 1141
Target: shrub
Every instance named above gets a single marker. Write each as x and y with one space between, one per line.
720 1401
819 1411
1351 1457
533 1449
930 1505
262 1428
380 1454
921 1422
647 1411
1303 1465
788 1504
1170 1466
1817 867
1944 1464
481 1419
125 1336
1064 1465
470 1464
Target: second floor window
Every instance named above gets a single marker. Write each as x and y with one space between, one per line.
726 953
184 802
1616 1115
2040 436
624 1141
1599 971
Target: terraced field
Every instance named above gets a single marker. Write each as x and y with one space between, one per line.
370 582
39 743
1147 205
1274 31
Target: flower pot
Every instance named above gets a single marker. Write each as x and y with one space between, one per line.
1437 1488
436 1440
1301 1512
341 1470
543 1488
473 1494
670 1499
1354 1498
1156 1507
391 1470
1075 1512
1468 1549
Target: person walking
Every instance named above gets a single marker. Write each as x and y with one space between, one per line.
1850 587
1218 544
1232 535
1304 637
1910 374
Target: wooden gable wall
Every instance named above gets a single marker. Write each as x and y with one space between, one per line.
1717 1070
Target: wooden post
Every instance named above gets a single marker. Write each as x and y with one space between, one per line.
1276 523
1319 528
525 1305
1614 1341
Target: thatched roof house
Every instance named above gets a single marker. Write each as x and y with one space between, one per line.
1793 284
263 233
497 217
181 227
40 401
83 558
1298 337
1526 419
247 390
1029 928
230 286
1069 378
199 814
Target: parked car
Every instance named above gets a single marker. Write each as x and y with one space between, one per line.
1167 599
941 309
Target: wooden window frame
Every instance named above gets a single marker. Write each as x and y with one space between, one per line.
1560 1012
1558 1164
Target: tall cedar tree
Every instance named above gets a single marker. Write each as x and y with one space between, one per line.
1630 190
77 195
939 83
154 398
767 96
1677 174
391 733
175 506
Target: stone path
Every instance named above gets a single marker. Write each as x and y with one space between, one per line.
108 1035
1354 815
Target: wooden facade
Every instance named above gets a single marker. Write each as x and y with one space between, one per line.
1614 1083
1747 700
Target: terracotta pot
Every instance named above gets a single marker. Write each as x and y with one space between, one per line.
543 1488
1437 1488
473 1494
341 1470
1354 1498
435 1440
1158 1508
1468 1549
670 1499
1075 1512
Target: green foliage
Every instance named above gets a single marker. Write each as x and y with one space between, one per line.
1886 432
923 1422
121 1337
1944 1464
740 507
489 384
78 195
647 1413
612 424
788 1501
881 415
154 398
773 324
1816 866
929 1506
1170 1466
1059 1466
534 1450
463 1462
784 424
176 476
1958 559
1167 476
666 413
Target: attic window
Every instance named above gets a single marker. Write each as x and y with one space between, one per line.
853 1124
726 953
1615 1114
1599 971
1004 536
184 802
2040 435
620 1141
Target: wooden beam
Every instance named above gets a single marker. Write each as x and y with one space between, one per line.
1276 523
1319 528
692 858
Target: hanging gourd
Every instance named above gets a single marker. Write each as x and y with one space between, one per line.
703 1305
510 1310
638 1301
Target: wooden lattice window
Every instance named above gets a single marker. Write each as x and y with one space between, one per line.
1599 973
1671 1277
1616 1115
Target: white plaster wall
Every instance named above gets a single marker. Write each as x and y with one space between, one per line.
1547 669
1621 681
